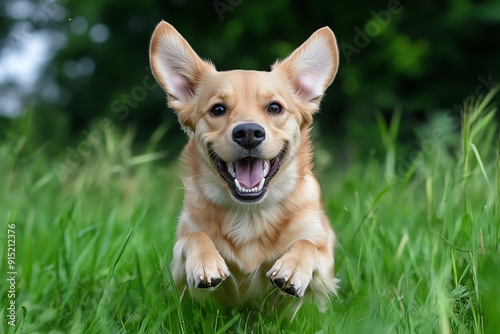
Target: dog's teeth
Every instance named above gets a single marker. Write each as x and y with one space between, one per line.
265 168
237 183
230 169
261 184
249 190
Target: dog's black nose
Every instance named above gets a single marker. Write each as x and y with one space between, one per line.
249 135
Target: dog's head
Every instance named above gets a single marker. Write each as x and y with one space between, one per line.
247 126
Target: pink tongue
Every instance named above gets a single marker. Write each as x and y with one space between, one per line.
249 172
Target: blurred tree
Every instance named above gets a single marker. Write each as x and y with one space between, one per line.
420 56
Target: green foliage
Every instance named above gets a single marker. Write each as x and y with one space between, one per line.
419 56
417 247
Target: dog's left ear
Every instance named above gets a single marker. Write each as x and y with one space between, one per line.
312 66
178 69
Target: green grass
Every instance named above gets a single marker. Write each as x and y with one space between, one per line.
418 249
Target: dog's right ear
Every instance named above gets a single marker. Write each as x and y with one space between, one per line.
312 66
176 67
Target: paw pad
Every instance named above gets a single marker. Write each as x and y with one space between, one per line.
285 286
211 283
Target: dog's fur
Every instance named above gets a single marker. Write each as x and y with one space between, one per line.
235 243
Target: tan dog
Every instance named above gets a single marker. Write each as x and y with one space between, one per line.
252 207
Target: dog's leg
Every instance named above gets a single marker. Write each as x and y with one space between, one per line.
293 272
204 266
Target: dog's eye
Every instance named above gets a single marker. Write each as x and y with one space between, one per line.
274 109
218 110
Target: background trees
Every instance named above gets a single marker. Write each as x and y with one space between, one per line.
419 56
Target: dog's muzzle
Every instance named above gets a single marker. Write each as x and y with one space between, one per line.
248 177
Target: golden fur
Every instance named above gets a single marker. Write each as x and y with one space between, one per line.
236 247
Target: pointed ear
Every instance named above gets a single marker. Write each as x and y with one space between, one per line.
312 66
176 66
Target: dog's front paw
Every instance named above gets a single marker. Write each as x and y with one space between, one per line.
207 271
290 275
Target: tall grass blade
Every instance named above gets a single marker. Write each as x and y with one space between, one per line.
228 325
389 136
481 165
373 206
145 158
115 261
111 272
176 301
483 103
476 117
498 180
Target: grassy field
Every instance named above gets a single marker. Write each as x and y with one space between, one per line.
418 252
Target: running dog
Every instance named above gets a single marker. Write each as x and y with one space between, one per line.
252 219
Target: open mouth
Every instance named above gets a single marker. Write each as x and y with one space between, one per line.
248 177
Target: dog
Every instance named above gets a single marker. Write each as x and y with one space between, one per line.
252 221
